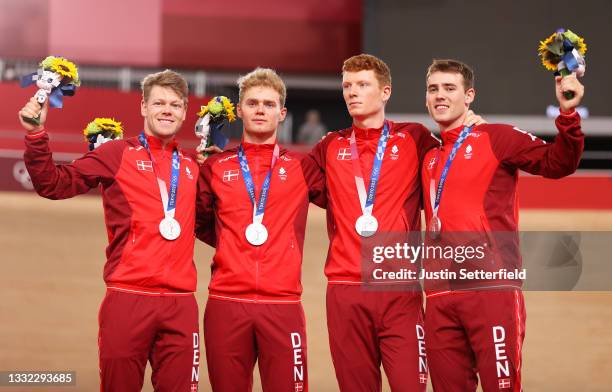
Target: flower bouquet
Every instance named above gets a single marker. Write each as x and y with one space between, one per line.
102 130
56 78
563 52
211 119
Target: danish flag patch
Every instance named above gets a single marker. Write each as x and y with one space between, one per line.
230 175
144 165
344 154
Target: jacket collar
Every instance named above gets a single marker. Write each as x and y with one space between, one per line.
371 133
156 144
256 147
450 136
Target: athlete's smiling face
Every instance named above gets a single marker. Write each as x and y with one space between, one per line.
164 112
363 94
447 100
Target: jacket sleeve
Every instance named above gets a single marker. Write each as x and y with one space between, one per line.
205 200
517 149
313 166
315 181
424 141
67 180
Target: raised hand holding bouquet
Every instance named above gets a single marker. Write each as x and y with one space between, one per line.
56 78
563 52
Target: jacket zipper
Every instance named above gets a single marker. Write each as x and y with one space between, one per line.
257 168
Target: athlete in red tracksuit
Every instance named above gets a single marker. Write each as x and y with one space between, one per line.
478 327
367 327
254 311
149 311
386 325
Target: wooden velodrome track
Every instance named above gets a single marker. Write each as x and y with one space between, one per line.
50 277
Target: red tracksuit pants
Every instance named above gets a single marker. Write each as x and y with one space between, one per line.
475 332
367 328
161 329
238 334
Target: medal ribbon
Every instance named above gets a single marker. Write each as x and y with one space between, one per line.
436 195
168 196
258 207
367 202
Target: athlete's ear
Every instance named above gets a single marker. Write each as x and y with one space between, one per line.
470 95
386 93
239 110
283 114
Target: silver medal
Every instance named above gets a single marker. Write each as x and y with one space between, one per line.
256 234
366 225
435 227
169 228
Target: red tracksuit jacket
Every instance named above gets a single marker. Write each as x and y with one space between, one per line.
397 204
139 259
480 193
270 273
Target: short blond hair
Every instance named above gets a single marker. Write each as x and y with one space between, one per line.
367 62
262 77
169 79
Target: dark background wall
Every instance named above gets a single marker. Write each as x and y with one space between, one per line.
498 38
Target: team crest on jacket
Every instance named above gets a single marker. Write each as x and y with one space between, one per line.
431 163
394 152
344 154
468 152
188 172
282 173
230 175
